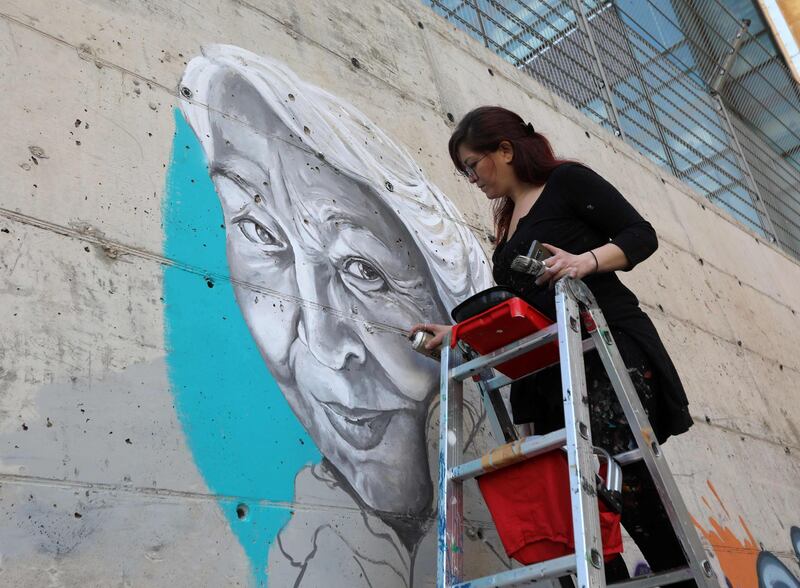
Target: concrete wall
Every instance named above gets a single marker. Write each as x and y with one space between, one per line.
147 435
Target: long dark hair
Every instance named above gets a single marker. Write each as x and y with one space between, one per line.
483 129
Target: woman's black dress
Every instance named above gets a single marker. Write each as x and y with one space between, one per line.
577 211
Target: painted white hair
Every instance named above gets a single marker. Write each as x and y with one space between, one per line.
345 138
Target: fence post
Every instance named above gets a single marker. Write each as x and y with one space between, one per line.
760 205
715 87
648 98
583 23
480 22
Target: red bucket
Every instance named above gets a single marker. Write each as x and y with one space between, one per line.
505 323
531 509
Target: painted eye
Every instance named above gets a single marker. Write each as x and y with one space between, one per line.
363 270
259 234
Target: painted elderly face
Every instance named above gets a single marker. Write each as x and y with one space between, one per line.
344 263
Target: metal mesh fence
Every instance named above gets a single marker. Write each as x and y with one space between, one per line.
680 80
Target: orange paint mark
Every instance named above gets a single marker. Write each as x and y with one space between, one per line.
714 490
736 557
647 434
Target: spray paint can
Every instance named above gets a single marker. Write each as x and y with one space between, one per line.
419 341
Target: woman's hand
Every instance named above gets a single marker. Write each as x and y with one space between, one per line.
565 264
438 331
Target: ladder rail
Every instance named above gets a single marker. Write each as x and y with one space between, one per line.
450 516
500 421
650 449
585 513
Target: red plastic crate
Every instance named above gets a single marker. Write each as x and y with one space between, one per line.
505 323
530 505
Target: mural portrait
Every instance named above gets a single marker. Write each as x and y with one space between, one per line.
336 242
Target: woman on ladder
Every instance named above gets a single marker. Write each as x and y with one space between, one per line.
592 232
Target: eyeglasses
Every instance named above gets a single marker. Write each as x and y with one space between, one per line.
469 170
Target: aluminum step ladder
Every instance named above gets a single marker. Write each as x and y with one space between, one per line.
574 304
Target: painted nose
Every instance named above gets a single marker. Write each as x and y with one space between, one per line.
332 338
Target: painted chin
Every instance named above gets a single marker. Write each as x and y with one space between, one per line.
393 477
380 450
383 456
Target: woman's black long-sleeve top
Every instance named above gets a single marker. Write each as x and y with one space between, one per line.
577 211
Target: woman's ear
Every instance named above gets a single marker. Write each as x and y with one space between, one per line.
506 151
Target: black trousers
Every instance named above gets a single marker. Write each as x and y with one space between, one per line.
538 399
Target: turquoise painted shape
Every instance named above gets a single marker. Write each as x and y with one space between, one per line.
243 436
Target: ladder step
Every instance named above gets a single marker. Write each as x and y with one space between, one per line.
659 579
627 457
510 351
552 568
501 380
509 454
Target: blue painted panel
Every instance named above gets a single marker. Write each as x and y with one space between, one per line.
244 438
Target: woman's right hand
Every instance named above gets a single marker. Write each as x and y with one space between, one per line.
438 331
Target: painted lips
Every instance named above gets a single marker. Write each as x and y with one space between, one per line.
361 428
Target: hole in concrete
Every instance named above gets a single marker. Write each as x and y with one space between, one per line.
420 25
588 136
242 511
491 73
356 63
450 117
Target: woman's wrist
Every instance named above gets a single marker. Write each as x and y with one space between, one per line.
596 262
591 262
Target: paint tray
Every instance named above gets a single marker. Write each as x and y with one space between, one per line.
509 321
